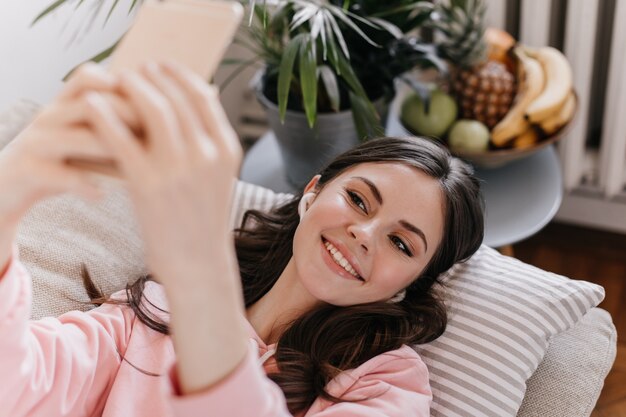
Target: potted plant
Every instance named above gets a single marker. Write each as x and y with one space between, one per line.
329 71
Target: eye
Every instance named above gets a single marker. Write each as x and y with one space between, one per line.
356 200
399 243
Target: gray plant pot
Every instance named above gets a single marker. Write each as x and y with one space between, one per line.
305 151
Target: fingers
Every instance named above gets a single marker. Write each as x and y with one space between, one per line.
189 122
156 115
64 179
206 99
75 142
88 76
124 146
73 111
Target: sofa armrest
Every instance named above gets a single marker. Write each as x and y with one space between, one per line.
568 381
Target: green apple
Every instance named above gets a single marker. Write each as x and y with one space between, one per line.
468 135
442 113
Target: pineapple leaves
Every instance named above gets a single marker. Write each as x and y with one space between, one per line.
308 80
285 72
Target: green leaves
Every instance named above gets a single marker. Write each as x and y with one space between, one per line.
285 72
48 10
366 118
308 80
329 79
96 58
103 54
304 48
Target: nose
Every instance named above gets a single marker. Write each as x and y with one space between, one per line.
362 233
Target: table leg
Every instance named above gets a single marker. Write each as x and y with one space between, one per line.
507 250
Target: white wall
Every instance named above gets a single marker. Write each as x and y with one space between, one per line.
33 60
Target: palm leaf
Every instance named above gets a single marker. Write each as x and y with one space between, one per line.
365 117
48 10
132 6
329 79
308 79
96 58
303 15
110 12
285 73
389 27
341 15
337 33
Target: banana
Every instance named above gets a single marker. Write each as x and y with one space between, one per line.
531 83
566 113
527 139
559 80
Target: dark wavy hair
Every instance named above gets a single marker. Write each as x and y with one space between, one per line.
329 339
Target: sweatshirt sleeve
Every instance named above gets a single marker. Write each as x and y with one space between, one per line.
55 366
389 386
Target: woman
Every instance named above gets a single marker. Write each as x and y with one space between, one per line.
335 283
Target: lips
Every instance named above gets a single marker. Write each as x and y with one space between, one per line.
341 259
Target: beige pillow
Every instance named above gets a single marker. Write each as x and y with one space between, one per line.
60 233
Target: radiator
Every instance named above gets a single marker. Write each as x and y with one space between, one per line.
592 34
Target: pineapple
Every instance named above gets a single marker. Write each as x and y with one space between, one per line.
484 89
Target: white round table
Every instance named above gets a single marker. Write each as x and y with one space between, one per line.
520 198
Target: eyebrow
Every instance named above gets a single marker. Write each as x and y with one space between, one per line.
408 226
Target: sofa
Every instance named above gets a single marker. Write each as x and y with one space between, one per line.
521 341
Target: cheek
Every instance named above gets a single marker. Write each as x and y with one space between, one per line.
391 275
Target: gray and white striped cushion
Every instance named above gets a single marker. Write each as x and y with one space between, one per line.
503 313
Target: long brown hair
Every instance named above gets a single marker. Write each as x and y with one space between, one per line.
329 339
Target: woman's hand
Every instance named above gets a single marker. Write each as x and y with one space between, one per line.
33 166
180 171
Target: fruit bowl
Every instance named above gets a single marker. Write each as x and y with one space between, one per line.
489 132
497 157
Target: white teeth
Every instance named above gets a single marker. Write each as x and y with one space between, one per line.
339 259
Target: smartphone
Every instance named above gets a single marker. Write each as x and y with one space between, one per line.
193 33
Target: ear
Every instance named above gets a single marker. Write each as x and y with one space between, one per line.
308 196
305 201
312 184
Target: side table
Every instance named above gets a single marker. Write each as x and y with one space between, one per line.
520 198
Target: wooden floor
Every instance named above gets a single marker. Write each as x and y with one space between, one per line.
594 256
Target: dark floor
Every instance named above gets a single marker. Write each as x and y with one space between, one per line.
595 256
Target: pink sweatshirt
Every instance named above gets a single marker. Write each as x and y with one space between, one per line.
71 366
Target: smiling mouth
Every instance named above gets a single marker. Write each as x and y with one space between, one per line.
340 259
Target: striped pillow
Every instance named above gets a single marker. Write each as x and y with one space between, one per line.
503 313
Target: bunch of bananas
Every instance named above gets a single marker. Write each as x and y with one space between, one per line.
545 99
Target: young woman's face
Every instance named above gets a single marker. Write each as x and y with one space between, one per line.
369 233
